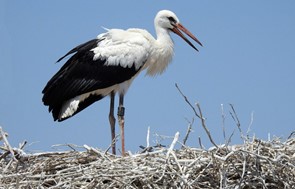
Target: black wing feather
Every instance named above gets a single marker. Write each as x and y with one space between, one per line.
83 47
81 74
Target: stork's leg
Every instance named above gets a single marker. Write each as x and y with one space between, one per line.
121 112
112 122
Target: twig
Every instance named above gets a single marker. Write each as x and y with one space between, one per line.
113 142
146 149
22 145
204 125
200 142
223 122
71 146
291 135
198 115
222 173
148 138
3 136
244 170
235 118
229 139
187 101
172 144
251 122
189 129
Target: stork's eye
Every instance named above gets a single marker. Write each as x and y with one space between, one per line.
171 19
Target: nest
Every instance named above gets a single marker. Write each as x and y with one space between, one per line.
254 164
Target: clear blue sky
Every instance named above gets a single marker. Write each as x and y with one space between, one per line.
248 59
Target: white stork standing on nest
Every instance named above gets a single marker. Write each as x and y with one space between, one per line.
108 64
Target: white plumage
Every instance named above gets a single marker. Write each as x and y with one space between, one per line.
123 48
108 64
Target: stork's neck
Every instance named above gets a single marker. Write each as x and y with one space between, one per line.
163 38
162 52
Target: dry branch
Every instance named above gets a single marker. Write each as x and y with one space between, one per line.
199 115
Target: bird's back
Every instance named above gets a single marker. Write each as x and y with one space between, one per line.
124 47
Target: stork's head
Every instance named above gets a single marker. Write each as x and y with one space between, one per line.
166 19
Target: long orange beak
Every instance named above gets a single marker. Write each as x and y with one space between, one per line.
178 27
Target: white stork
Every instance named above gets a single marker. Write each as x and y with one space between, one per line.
108 64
